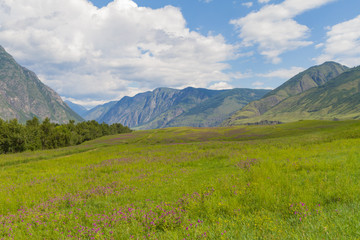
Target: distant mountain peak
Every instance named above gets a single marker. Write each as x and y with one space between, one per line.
80 110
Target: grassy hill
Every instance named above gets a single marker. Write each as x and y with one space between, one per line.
289 181
310 78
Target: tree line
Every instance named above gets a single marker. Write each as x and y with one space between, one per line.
16 137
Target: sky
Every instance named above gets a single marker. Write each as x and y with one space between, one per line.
96 51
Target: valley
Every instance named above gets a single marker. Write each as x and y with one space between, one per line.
288 181
179 120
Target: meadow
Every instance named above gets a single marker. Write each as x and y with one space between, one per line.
297 180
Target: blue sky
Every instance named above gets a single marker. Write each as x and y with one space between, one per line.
95 51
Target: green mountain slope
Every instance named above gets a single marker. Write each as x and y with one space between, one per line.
310 78
339 98
24 96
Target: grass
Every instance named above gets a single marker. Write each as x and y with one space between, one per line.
292 181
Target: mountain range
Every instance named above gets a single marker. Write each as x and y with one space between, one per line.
23 96
328 91
166 107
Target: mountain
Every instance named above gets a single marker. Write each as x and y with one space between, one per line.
165 107
339 98
145 107
24 96
310 78
98 112
80 110
214 111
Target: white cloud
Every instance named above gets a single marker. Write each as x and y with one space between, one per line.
247 4
283 73
239 75
343 43
258 84
320 45
273 28
221 86
85 52
263 1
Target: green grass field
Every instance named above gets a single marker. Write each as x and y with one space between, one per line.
292 181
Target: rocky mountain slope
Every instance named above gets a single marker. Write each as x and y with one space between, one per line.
165 107
23 96
145 107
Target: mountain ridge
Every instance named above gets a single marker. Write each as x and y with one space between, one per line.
197 107
23 96
145 107
312 77
339 98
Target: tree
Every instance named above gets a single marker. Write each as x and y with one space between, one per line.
33 135
16 136
47 131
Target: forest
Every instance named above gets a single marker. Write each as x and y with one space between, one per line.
36 135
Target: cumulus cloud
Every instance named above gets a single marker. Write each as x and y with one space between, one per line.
84 52
273 28
343 43
283 73
263 1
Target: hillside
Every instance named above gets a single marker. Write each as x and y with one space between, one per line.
24 96
165 107
337 99
310 78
